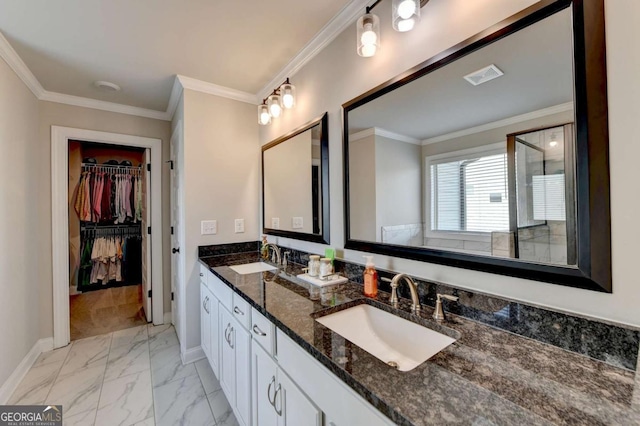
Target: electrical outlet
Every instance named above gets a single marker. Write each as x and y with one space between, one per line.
239 226
296 223
275 223
209 227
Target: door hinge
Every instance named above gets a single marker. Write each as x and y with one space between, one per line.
149 167
172 230
149 293
171 163
149 230
172 296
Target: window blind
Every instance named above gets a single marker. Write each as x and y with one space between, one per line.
470 194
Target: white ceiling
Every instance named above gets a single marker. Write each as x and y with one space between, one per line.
538 73
142 44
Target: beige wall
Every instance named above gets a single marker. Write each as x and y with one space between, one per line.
221 172
24 214
287 183
362 192
324 87
54 114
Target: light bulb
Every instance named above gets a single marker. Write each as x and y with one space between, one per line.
287 100
275 110
406 25
368 36
553 144
368 50
406 9
265 118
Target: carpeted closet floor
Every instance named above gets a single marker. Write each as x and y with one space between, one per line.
104 311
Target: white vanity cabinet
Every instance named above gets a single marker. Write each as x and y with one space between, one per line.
268 379
277 401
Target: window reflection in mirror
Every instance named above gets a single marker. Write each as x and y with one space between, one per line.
484 169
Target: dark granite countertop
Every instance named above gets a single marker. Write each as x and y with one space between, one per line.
488 376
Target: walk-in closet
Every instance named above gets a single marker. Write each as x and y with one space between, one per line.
108 244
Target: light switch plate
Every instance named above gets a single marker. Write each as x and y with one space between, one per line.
297 223
275 223
239 228
209 227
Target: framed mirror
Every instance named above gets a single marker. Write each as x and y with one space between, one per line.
295 183
492 155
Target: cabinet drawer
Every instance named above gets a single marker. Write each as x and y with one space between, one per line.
204 273
241 310
221 291
263 331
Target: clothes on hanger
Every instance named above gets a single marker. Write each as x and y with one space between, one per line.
109 194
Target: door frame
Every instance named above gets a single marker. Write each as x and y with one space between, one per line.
60 137
179 286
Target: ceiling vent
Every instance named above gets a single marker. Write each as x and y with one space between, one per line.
483 75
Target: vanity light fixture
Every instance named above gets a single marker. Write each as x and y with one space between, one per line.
554 140
283 97
405 15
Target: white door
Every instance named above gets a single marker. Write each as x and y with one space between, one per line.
146 238
242 348
292 406
205 320
227 356
177 265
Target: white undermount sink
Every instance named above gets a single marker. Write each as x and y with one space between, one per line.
391 339
252 268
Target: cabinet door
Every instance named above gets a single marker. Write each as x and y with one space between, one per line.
293 406
264 374
227 357
214 359
241 341
205 320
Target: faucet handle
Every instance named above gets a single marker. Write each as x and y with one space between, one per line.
447 296
387 280
438 313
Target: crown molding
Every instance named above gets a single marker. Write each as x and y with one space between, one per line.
15 62
556 109
384 133
214 89
62 98
327 34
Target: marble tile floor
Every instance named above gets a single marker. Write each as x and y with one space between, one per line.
103 311
128 377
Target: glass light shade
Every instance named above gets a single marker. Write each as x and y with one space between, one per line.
274 102
264 117
368 35
405 14
288 93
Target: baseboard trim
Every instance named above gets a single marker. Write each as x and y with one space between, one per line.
9 386
167 318
192 355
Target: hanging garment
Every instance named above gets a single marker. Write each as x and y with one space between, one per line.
105 205
80 194
138 199
84 272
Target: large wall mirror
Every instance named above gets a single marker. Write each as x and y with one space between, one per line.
493 155
295 183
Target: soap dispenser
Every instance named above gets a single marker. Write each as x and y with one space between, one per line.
370 278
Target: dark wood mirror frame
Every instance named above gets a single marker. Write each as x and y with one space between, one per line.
593 269
323 236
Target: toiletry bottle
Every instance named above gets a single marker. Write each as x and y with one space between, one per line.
370 278
264 250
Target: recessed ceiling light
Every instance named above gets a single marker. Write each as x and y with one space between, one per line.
106 86
483 75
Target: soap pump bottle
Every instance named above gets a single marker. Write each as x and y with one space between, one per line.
370 278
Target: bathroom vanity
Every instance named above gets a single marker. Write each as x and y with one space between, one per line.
277 363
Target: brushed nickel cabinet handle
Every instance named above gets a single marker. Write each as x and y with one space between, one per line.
237 310
257 331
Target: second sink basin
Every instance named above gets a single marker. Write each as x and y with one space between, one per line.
393 340
252 268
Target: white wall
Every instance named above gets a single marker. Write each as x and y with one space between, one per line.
54 114
287 183
324 87
362 169
24 214
398 183
221 172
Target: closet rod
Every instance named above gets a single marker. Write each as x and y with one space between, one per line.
111 166
120 226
